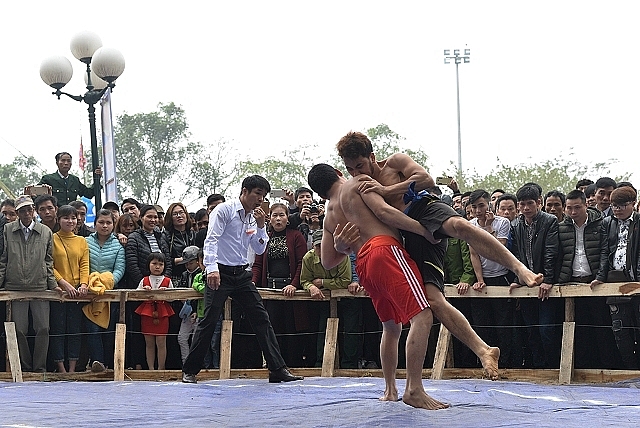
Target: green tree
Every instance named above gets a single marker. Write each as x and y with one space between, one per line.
208 169
561 173
151 149
288 171
21 172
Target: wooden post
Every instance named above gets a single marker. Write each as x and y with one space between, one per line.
7 364
123 303
569 309
449 362
118 353
227 309
330 342
444 338
12 349
566 356
225 347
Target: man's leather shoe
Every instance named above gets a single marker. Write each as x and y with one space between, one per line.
282 375
189 378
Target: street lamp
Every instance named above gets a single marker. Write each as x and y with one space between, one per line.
108 65
457 59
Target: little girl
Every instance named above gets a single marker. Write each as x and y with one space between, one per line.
155 313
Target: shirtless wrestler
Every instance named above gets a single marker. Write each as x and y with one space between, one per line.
385 270
391 178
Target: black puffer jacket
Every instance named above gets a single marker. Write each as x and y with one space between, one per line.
545 245
136 252
567 234
609 244
176 241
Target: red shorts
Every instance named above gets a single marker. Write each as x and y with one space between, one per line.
392 279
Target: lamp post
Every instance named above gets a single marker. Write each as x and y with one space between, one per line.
108 65
457 59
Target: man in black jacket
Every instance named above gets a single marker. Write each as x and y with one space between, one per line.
535 243
619 256
579 262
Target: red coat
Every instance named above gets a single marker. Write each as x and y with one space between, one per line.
297 246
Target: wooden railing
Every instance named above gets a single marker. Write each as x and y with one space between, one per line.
329 365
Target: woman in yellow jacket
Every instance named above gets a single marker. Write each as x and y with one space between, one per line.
71 270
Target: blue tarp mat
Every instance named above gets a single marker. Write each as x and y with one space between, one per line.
314 402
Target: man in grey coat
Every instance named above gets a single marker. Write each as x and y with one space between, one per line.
26 264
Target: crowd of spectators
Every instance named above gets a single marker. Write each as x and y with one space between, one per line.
591 235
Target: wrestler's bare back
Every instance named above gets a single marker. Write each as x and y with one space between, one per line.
350 207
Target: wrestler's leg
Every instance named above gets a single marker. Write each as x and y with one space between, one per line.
458 325
416 348
389 358
489 247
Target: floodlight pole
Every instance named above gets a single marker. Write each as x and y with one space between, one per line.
466 58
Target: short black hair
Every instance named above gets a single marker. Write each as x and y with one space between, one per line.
577 194
156 256
603 182
132 202
255 182
66 210
321 177
78 204
505 197
145 208
536 185
497 190
110 205
626 184
527 193
590 190
557 194
583 182
8 202
59 155
302 190
214 197
44 198
106 212
200 214
479 194
465 194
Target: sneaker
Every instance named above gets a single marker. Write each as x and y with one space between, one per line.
97 367
189 378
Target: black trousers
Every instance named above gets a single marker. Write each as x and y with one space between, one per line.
240 288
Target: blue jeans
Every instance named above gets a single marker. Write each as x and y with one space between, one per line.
65 322
94 340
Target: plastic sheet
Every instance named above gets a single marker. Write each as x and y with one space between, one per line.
314 402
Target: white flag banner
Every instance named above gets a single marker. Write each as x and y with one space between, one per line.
108 150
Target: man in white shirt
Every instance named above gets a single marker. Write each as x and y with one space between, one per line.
234 227
491 312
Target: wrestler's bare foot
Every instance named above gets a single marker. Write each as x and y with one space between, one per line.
421 400
490 362
529 278
389 395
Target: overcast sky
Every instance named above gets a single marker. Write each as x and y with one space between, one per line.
544 76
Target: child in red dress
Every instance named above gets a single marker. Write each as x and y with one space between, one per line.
155 314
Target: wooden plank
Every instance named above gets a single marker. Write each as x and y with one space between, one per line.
441 352
227 309
225 349
330 344
12 349
449 362
118 353
569 309
123 307
333 307
7 364
566 355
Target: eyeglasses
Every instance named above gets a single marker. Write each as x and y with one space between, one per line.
178 214
621 207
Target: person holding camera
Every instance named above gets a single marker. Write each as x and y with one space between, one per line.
310 214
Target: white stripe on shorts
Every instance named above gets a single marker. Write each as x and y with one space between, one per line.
414 283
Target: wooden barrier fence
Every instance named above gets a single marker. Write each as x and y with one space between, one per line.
566 374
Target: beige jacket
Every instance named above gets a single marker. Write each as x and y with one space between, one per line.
27 265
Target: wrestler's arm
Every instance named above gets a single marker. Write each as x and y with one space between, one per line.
406 166
329 255
394 217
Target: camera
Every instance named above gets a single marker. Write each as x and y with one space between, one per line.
313 208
